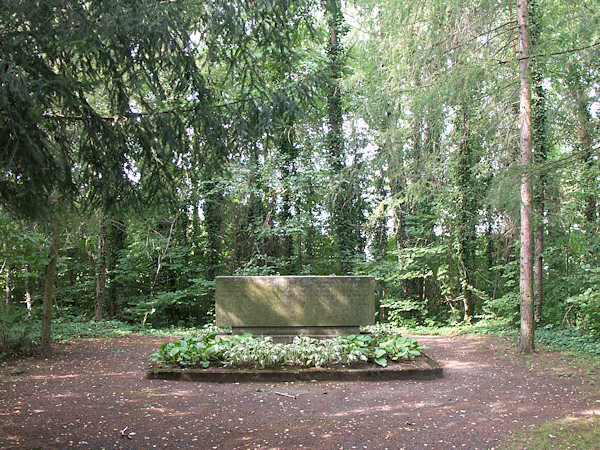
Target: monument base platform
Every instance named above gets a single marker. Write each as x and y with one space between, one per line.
297 331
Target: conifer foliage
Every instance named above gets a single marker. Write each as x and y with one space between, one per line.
147 147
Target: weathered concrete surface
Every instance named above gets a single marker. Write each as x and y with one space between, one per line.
316 305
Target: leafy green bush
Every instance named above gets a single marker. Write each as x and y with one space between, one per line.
17 331
248 351
401 311
584 310
506 307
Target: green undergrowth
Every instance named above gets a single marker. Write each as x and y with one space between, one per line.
246 350
549 336
23 337
568 339
76 329
495 327
574 433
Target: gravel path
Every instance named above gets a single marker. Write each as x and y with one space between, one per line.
93 394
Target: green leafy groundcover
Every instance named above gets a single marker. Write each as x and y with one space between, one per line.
261 352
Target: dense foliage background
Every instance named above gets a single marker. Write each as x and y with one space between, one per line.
147 147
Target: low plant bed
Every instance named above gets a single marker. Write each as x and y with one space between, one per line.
211 357
420 368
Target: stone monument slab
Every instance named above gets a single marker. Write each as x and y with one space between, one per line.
290 305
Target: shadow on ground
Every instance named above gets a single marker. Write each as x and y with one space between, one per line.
94 393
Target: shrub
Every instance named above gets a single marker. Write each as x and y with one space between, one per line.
261 352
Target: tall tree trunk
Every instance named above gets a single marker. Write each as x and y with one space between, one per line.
465 223
100 271
7 279
538 272
526 344
114 243
213 221
584 145
309 241
397 188
289 154
46 342
380 237
341 206
540 154
489 241
299 261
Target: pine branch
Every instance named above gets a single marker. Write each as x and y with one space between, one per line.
548 55
134 115
561 162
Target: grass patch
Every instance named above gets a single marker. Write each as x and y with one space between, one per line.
582 432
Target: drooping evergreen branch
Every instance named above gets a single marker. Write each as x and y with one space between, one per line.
548 55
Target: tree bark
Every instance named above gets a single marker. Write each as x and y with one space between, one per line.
465 223
538 269
46 342
540 151
27 294
341 213
526 344
7 286
101 273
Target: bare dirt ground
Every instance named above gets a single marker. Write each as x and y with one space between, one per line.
93 393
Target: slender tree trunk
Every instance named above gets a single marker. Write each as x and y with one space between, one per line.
397 187
27 291
101 272
465 223
590 170
299 262
489 242
46 343
6 268
538 269
309 241
526 344
289 153
541 157
380 237
540 151
115 243
341 219
213 220
7 286
591 181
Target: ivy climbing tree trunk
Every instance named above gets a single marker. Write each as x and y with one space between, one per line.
288 171
465 223
340 211
540 155
585 125
526 344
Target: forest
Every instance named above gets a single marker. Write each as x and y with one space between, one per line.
450 149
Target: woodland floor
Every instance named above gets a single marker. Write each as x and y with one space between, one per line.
92 389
